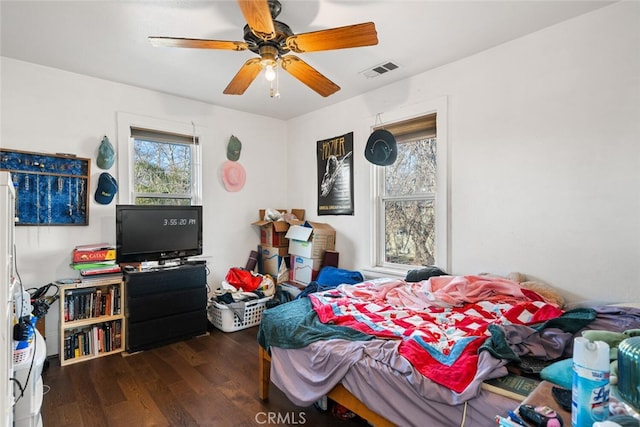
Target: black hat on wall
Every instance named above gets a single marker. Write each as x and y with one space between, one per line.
381 148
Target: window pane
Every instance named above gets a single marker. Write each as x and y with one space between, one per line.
414 171
410 232
162 167
162 201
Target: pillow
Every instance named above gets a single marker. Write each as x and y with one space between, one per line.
559 373
516 277
545 291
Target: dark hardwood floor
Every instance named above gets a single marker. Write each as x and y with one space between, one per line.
206 381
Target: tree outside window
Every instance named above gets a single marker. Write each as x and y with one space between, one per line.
163 167
162 173
408 203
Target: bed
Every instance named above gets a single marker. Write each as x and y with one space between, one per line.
418 353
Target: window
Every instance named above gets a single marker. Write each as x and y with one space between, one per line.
410 197
158 162
162 167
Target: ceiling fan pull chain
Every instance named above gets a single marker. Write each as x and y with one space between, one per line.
274 89
277 79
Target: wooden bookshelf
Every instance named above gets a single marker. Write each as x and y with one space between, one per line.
92 319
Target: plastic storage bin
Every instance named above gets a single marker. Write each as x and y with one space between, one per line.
629 371
224 318
26 412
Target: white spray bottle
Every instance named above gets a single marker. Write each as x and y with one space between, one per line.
590 390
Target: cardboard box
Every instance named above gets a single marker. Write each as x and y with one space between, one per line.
270 259
311 239
304 270
272 233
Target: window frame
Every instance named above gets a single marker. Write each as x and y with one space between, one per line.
126 121
442 194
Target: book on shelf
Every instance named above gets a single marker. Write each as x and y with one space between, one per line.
108 343
91 302
89 265
514 386
75 301
117 334
107 269
93 340
97 311
117 292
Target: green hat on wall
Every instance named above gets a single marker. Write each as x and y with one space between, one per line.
233 148
106 154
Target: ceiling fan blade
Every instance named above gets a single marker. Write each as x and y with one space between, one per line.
258 17
197 43
308 75
244 77
335 38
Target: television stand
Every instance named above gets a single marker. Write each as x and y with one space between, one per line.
164 264
165 305
193 262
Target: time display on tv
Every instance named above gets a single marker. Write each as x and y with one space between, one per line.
180 221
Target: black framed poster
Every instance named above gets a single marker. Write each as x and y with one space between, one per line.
335 175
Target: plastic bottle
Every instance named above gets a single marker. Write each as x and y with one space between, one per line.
590 390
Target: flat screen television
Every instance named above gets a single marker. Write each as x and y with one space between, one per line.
157 233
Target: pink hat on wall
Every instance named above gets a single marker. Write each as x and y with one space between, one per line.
233 176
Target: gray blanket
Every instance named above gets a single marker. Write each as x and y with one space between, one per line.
386 382
546 341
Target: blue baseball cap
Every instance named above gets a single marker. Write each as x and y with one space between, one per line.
107 189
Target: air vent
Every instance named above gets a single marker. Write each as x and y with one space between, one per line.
379 70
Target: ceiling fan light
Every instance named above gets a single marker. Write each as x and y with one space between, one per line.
270 73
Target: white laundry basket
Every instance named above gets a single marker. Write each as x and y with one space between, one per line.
223 318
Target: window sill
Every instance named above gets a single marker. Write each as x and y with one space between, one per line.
380 272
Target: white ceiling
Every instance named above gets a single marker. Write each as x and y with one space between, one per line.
108 40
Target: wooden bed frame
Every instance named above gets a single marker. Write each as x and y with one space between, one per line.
338 394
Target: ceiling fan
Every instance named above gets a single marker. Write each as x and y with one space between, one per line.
274 41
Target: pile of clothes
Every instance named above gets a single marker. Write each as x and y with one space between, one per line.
240 286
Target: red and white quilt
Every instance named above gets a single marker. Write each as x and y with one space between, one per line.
441 321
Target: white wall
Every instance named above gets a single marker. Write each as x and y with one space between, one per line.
48 110
544 153
544 150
